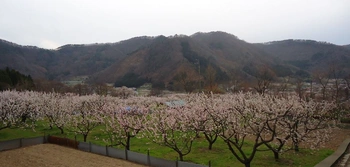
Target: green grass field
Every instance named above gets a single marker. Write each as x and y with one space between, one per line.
219 156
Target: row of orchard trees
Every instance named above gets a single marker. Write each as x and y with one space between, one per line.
276 123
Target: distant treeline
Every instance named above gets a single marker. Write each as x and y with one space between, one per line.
12 79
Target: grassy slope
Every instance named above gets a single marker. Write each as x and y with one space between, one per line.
219 156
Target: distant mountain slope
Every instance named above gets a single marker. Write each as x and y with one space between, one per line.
86 60
165 57
161 59
67 61
28 60
309 55
232 53
347 46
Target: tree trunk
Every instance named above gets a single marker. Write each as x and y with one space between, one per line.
210 140
247 164
85 136
323 93
181 157
61 129
197 135
276 155
296 147
210 145
24 118
127 146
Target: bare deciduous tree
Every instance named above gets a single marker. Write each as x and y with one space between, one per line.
264 76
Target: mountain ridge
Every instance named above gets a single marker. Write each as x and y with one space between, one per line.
161 59
309 55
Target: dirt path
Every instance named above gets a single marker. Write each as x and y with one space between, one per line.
47 155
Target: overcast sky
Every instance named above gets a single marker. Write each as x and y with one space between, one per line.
52 23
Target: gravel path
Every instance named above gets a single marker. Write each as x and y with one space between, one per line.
48 155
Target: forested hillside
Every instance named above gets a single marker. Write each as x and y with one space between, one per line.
10 79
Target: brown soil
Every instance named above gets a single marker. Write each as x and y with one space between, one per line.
58 156
337 138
